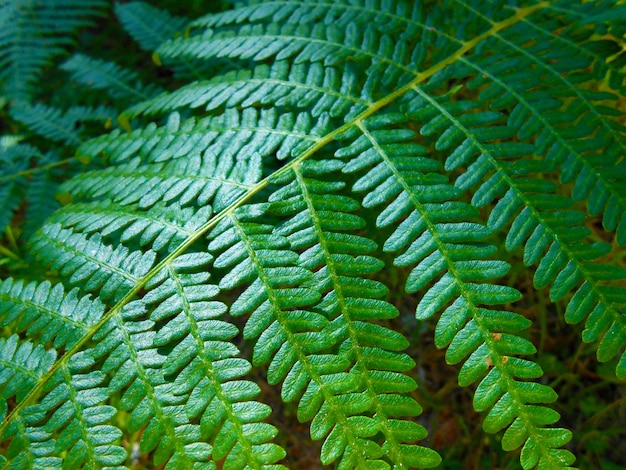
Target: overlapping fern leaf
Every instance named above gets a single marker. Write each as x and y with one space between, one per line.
319 226
31 177
151 34
244 233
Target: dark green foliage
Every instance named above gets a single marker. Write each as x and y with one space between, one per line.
52 124
149 34
122 85
15 158
33 33
272 202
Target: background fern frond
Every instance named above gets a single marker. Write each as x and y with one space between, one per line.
121 84
14 159
40 195
33 33
149 34
55 124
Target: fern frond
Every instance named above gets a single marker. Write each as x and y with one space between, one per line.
539 110
202 180
125 343
119 83
206 368
317 128
540 219
365 36
247 133
47 312
149 34
71 406
95 266
22 365
603 34
162 227
294 340
40 194
73 412
319 227
316 88
33 33
55 124
593 39
450 261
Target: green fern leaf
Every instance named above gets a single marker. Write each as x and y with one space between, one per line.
22 364
601 18
40 195
74 412
259 133
95 265
542 220
161 228
319 88
293 339
47 312
596 179
151 34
